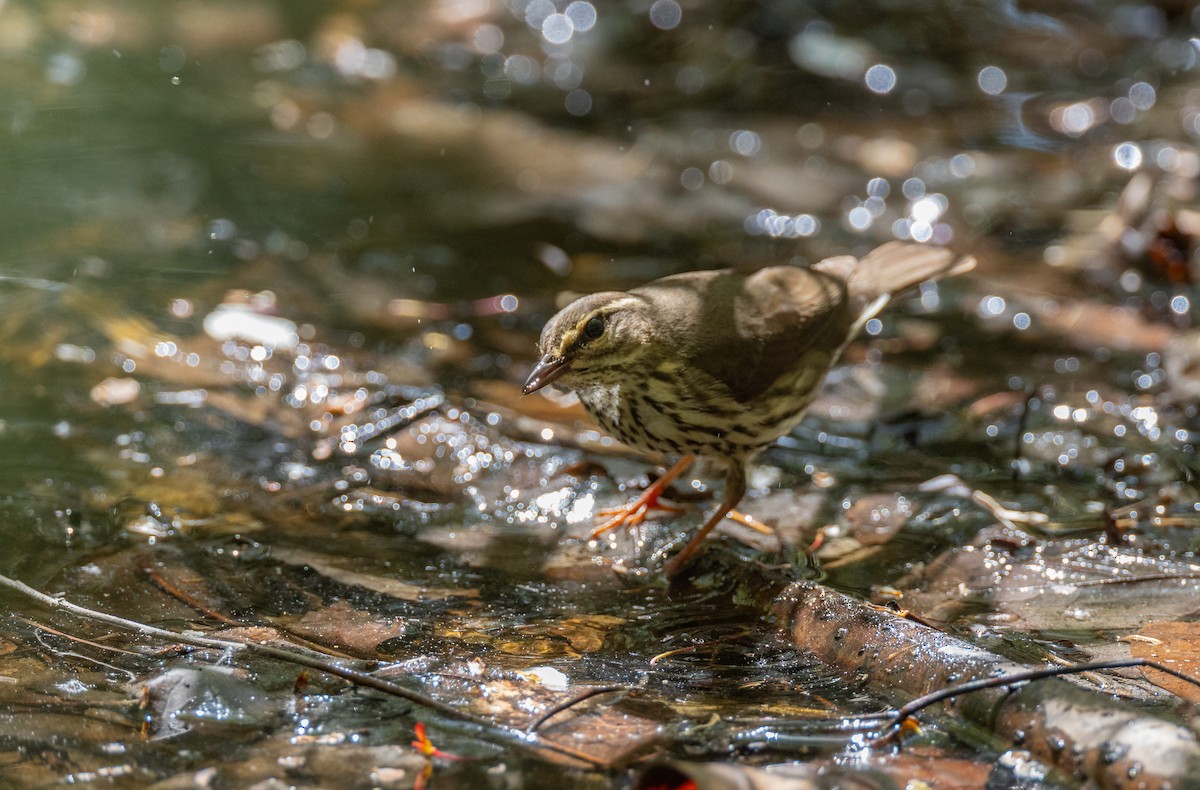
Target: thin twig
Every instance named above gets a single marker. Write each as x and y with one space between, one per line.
1148 577
170 589
693 648
486 730
40 638
537 723
79 639
1019 434
925 700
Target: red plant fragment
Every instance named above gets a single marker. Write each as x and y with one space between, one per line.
425 746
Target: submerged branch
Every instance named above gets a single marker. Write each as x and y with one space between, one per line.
1090 735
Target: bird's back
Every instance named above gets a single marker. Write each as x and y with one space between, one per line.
746 331
750 332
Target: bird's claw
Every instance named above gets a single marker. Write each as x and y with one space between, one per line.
632 514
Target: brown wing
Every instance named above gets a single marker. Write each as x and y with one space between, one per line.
891 268
747 331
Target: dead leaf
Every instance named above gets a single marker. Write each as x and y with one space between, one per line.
570 637
875 518
1178 648
342 626
405 591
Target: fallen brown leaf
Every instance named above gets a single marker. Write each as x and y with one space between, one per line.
1178 647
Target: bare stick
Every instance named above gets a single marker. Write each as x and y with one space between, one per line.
549 714
920 703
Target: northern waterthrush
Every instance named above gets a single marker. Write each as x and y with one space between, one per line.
719 363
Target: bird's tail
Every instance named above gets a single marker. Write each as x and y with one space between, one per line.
890 269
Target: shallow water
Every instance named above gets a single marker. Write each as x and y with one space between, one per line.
272 277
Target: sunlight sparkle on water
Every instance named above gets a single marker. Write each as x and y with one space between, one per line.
582 15
992 80
860 218
818 50
745 142
776 225
665 14
234 321
558 28
1128 156
880 78
1073 120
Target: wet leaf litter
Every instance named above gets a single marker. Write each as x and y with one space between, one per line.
266 454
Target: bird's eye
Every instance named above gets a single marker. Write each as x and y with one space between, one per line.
593 328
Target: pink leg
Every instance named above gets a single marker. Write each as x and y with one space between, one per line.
735 489
635 512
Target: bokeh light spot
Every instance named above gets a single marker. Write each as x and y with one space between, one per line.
1143 95
992 80
860 218
745 142
1128 156
880 78
692 178
558 28
578 102
488 39
665 14
1122 110
582 15
720 172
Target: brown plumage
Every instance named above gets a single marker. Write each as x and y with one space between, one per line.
719 363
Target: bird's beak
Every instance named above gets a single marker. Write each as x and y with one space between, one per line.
545 371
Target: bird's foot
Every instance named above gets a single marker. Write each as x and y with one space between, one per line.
635 512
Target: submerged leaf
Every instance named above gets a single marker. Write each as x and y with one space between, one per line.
1176 644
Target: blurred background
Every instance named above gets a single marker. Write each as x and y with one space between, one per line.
470 147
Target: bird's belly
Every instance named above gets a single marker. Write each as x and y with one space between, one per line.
667 415
782 406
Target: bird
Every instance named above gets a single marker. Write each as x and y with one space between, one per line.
719 363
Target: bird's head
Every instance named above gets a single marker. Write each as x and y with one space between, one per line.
591 339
